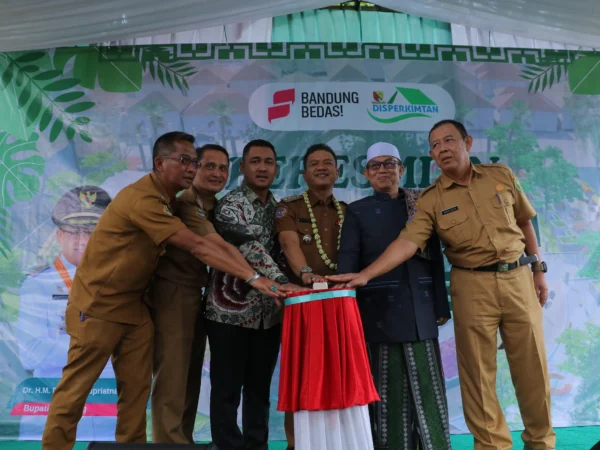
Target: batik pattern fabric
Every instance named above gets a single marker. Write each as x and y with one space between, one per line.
413 412
243 220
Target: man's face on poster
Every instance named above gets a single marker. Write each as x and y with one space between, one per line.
72 242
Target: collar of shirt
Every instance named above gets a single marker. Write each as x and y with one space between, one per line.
253 198
207 204
446 181
386 196
314 200
159 187
70 267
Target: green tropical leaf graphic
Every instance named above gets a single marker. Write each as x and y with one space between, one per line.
44 76
86 136
69 97
56 129
34 109
5 233
542 77
38 93
91 65
161 75
79 107
70 132
584 75
46 118
169 73
30 57
20 169
62 85
20 78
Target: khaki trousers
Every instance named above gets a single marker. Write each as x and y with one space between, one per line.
93 341
179 344
483 302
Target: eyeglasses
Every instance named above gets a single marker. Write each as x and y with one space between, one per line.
389 165
184 160
212 166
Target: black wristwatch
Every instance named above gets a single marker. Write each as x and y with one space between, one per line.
539 266
282 279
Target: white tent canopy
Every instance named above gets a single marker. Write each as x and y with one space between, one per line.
32 24
574 22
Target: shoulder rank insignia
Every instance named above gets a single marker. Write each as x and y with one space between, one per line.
292 198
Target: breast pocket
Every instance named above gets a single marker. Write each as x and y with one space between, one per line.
503 203
305 233
455 230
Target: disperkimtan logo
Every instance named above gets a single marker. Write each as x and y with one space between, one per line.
349 106
404 103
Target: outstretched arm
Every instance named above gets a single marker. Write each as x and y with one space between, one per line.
397 252
210 253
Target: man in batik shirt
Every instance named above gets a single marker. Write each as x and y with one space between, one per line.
243 325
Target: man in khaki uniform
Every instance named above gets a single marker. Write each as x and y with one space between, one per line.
483 217
308 228
176 307
105 313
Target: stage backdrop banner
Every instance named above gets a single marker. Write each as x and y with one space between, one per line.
89 116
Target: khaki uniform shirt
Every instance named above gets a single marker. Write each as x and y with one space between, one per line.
123 253
292 215
477 223
177 265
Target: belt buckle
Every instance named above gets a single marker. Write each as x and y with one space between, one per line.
503 267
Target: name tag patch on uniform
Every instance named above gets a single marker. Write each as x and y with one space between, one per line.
60 297
303 220
281 211
449 210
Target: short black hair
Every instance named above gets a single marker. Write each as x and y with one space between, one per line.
257 143
316 148
216 147
458 125
165 144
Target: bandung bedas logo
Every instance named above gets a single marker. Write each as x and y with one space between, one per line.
282 101
349 106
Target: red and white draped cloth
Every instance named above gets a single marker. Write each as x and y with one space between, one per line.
325 378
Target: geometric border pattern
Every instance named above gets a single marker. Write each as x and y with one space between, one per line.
331 50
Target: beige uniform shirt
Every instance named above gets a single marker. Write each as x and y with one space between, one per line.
477 223
292 215
123 253
180 266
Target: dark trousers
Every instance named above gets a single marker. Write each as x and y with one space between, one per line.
241 358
